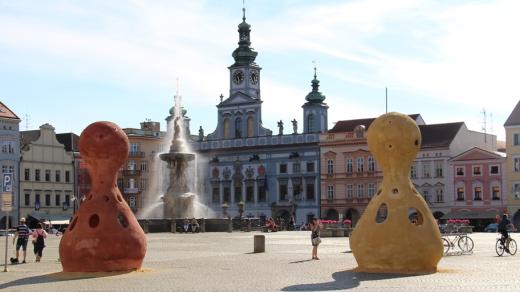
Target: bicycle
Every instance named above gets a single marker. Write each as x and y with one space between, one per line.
500 246
464 242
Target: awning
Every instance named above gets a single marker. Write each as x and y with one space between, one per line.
57 222
471 215
51 217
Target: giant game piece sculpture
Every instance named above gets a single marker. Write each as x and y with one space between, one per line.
397 232
104 235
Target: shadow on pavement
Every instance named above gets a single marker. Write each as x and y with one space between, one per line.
344 280
302 261
58 277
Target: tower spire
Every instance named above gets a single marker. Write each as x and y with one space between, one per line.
315 96
244 54
243 10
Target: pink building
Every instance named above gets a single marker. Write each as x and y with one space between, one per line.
478 181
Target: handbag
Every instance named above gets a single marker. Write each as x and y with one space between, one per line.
316 241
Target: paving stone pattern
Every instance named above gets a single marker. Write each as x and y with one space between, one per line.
226 262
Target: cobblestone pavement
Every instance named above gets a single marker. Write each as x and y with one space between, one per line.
225 262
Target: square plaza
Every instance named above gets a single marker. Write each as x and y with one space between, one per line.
226 262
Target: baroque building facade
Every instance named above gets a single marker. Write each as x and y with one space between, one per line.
245 164
512 127
47 177
10 158
350 176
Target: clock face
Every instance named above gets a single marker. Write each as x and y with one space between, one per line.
238 76
243 37
254 77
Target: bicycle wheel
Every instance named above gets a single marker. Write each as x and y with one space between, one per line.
512 246
465 243
446 245
499 247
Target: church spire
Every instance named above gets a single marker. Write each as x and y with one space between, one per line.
315 96
244 54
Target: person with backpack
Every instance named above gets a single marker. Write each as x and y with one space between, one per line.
39 236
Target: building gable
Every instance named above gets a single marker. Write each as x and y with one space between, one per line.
476 153
238 98
514 117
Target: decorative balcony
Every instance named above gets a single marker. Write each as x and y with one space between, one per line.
131 190
135 154
131 172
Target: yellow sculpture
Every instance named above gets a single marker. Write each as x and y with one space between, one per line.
397 232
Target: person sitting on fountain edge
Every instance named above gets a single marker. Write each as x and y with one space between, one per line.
186 225
194 225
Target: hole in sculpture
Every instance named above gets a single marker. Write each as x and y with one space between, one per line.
395 191
415 217
416 142
73 223
122 220
379 192
389 146
382 213
93 222
119 198
106 198
89 197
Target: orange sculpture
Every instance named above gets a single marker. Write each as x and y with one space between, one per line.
397 232
104 235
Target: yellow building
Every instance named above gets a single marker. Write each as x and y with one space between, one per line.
46 177
512 126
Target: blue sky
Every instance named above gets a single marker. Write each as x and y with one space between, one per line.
70 63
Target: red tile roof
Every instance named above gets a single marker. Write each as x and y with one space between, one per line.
514 117
5 112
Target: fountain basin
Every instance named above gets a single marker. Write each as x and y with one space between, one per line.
177 156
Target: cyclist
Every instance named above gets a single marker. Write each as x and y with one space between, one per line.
502 228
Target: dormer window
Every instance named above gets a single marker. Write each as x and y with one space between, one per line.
359 131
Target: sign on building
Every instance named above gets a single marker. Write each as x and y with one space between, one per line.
6 204
7 183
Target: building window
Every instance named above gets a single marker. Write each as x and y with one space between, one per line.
460 194
297 189
58 200
250 127
459 171
131 165
283 192
360 190
134 147
227 195
67 176
349 165
58 176
495 193
215 195
261 194
516 139
310 166
238 194
438 169
27 174
120 183
371 164
494 169
413 171
144 184
144 165
283 168
426 169
36 200
238 128
131 201
67 200
477 170
250 194
330 193
296 167
27 200
330 166
37 175
310 192
516 164
439 195
477 194
371 190
47 200
310 123
350 191
47 175
360 161
226 129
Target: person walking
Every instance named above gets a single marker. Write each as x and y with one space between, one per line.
315 237
39 236
21 236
